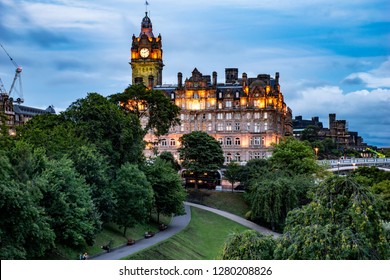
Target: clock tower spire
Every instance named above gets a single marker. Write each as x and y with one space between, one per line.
146 56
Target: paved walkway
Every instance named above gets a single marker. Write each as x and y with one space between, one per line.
177 224
236 218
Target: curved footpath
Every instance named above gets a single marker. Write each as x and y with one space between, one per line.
177 224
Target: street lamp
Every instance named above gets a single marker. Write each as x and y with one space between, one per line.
316 150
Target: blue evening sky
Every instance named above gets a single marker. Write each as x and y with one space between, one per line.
333 56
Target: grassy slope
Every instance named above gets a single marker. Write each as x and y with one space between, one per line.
231 202
201 240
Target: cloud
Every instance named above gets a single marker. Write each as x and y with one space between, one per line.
366 111
377 78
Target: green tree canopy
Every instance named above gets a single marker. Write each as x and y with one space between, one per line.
25 232
248 245
382 189
115 133
233 173
168 156
53 133
134 196
169 193
342 222
67 201
200 153
294 156
91 164
274 194
154 106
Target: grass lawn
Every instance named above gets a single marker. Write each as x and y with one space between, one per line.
232 202
227 201
203 239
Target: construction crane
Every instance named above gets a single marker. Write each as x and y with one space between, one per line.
17 77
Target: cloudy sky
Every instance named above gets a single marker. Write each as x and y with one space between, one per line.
333 56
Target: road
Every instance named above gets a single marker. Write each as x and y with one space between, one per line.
177 224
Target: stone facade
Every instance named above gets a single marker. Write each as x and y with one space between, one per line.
246 115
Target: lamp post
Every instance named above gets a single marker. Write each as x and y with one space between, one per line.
316 150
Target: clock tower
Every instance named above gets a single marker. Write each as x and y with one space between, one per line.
146 56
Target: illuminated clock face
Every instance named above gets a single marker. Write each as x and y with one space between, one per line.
144 52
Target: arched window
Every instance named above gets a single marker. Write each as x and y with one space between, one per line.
237 141
228 141
173 142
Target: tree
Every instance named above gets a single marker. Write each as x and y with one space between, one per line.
25 232
153 105
310 133
53 133
294 156
91 164
382 189
200 153
27 161
253 169
233 173
134 196
248 245
342 222
168 156
271 197
67 201
115 133
169 193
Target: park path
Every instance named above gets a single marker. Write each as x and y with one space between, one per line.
177 224
236 218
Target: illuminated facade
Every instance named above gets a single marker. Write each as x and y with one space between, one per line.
146 56
246 115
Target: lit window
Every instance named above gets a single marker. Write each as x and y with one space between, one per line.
257 115
219 126
220 116
228 104
256 128
209 126
228 116
229 126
